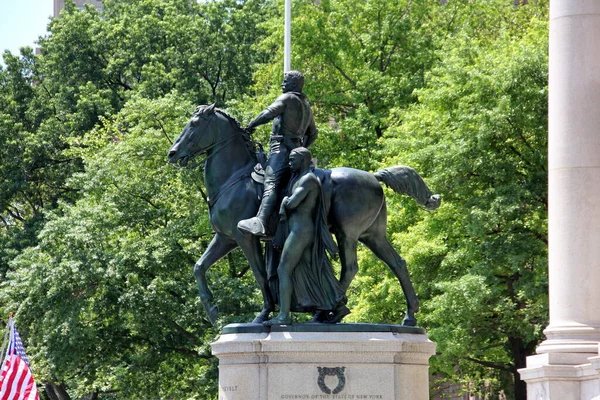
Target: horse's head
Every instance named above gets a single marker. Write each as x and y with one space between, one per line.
198 135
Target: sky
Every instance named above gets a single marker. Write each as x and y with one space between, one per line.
22 22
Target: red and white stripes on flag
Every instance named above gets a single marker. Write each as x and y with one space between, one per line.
16 380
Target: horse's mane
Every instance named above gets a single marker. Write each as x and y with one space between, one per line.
250 144
230 117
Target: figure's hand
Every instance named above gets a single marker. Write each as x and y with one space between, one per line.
283 214
249 129
283 209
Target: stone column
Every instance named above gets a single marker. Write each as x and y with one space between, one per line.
574 177
574 201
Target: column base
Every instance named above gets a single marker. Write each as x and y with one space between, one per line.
318 361
570 339
574 376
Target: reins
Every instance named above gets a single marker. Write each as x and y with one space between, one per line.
215 148
231 182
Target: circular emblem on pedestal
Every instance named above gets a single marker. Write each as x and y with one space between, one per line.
336 371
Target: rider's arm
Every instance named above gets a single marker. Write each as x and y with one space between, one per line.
268 114
311 134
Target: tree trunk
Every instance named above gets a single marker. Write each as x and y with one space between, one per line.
56 392
519 352
92 396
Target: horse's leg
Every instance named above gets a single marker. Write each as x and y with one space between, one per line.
251 247
348 260
376 240
218 248
386 252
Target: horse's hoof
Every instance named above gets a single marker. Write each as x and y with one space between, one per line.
321 316
260 319
409 321
213 313
337 315
263 316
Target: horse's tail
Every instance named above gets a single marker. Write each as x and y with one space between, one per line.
405 180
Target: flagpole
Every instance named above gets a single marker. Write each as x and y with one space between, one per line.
5 341
287 40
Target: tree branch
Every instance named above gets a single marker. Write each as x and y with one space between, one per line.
163 129
350 80
188 352
489 364
15 214
187 334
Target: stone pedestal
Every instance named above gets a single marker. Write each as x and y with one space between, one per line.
316 361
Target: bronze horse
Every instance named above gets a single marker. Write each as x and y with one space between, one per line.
355 199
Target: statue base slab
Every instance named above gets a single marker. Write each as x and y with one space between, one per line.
320 361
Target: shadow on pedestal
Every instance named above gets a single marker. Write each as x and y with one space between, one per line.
317 327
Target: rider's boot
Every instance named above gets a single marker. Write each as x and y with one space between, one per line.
258 226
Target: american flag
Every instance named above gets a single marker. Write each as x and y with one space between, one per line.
16 380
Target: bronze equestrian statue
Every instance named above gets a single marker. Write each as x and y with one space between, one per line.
354 201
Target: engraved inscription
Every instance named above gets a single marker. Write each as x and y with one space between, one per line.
228 390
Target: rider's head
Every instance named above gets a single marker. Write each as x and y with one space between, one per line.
293 81
300 159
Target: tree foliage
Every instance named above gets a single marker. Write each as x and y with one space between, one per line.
100 232
478 131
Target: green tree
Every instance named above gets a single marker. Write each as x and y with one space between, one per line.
97 249
33 168
479 133
107 298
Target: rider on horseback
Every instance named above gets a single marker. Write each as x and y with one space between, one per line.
293 126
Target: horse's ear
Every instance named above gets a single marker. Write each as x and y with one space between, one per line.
210 109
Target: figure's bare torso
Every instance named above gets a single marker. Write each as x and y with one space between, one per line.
303 215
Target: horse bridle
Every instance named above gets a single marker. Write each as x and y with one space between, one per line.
212 146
